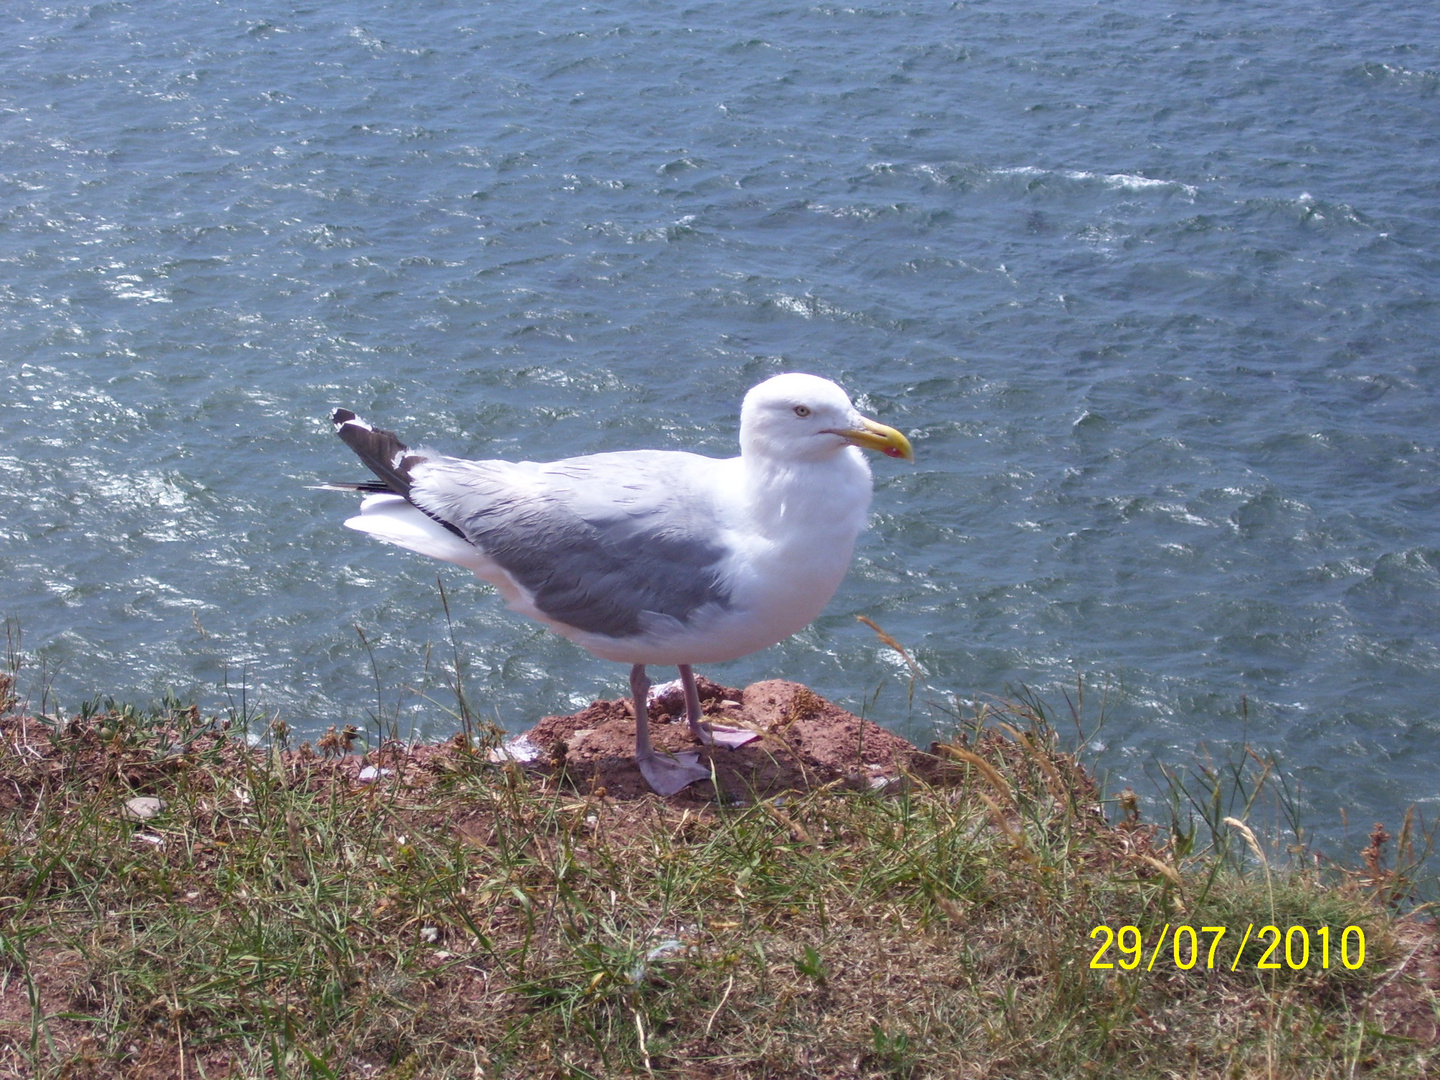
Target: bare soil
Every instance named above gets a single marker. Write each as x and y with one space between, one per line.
805 743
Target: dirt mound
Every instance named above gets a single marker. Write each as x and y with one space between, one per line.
805 742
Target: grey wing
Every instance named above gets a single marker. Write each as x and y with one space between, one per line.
597 541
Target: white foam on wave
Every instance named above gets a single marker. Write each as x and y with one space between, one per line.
1132 182
1115 181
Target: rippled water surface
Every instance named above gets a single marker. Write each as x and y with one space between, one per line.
1153 289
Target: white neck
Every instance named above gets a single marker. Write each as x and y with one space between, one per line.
790 498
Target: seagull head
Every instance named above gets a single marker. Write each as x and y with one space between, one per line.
800 417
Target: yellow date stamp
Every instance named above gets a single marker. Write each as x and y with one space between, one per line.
1200 946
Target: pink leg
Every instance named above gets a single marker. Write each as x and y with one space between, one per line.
665 773
708 734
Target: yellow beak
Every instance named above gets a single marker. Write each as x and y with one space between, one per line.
879 437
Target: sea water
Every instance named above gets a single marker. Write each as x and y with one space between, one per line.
1152 288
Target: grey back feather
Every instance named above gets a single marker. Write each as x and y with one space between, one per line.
603 543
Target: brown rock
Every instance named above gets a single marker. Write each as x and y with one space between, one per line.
806 742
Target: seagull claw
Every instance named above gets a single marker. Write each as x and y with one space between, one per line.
667 773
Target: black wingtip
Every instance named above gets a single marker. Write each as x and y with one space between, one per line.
382 451
364 487
386 456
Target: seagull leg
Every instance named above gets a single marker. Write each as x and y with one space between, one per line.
709 734
666 773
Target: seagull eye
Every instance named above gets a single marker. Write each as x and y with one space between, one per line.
802 411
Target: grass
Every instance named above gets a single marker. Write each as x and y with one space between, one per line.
459 919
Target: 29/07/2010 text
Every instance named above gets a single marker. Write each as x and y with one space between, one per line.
1190 950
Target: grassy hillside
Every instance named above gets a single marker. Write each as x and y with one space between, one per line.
277 916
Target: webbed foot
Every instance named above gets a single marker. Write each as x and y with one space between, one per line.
667 773
731 737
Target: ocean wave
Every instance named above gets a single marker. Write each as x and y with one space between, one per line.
1131 182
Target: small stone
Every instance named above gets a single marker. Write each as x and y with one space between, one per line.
889 785
520 750
660 691
143 807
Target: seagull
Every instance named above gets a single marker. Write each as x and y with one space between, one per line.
650 556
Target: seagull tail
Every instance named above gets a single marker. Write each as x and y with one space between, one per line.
382 451
388 458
